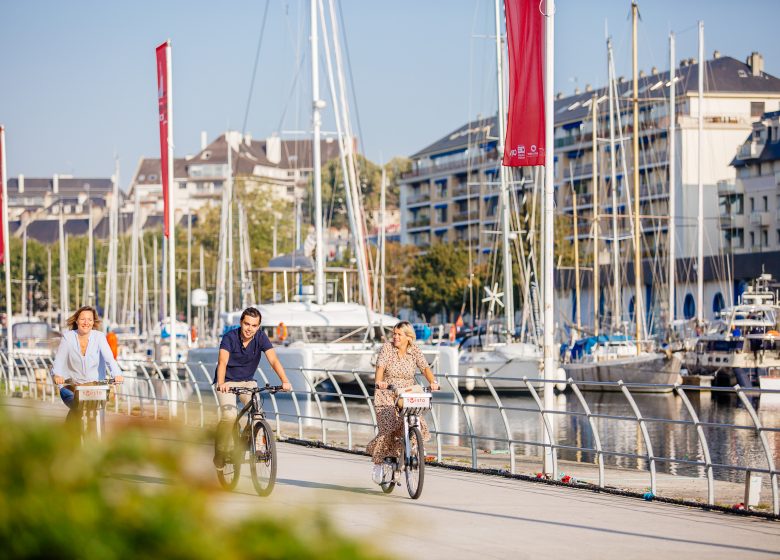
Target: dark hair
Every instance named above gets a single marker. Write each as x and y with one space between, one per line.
72 321
251 312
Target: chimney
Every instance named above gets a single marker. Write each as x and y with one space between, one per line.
204 140
55 184
683 63
621 79
576 91
559 95
20 186
248 139
716 54
654 70
642 74
588 87
273 149
692 61
756 63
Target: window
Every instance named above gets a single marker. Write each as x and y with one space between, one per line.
752 204
765 238
689 307
766 204
756 108
778 236
718 303
752 238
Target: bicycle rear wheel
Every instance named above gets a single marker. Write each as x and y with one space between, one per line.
230 473
262 458
415 469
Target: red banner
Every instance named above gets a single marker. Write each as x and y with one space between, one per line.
163 64
525 141
2 194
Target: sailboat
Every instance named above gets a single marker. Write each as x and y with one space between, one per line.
316 337
611 358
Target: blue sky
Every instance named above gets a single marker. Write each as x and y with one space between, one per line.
78 77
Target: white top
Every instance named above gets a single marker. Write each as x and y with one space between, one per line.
70 363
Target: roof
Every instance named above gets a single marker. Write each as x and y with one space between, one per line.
66 186
723 75
770 151
48 231
148 172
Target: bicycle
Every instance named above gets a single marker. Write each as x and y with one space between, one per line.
90 404
410 406
257 438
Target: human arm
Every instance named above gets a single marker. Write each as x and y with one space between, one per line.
57 369
422 364
379 376
222 363
108 357
381 364
277 366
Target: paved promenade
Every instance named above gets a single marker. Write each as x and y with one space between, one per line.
463 515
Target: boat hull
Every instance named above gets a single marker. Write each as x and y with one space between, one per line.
655 369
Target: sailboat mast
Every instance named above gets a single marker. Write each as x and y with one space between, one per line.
316 105
595 174
613 188
549 223
575 219
64 303
23 299
382 240
635 141
700 215
6 249
672 182
509 313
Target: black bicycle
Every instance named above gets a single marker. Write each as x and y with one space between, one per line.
411 406
254 444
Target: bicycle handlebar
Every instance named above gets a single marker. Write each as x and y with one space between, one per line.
392 387
243 390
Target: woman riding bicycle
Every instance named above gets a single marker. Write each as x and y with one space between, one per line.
396 366
82 356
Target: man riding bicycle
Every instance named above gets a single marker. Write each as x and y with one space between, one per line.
239 356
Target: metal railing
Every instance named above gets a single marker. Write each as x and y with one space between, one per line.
319 405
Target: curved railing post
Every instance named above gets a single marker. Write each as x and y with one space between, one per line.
273 402
194 382
645 434
466 416
547 426
705 449
313 392
343 406
767 450
502 411
435 422
593 428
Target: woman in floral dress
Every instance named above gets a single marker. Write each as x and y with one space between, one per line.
397 362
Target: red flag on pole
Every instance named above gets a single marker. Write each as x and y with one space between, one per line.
163 70
525 140
2 194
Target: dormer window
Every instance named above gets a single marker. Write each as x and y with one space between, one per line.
206 155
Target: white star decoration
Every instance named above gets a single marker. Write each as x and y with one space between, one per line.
493 296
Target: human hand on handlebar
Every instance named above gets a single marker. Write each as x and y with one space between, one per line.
286 386
223 388
59 380
118 378
435 386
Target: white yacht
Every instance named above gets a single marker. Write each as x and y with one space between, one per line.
743 345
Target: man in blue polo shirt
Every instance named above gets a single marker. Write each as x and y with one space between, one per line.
239 355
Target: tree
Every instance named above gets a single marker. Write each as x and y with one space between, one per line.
440 279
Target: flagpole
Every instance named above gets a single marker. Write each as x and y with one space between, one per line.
6 250
549 202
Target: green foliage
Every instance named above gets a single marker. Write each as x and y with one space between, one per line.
440 278
58 500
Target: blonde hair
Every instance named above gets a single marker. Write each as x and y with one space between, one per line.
72 321
406 328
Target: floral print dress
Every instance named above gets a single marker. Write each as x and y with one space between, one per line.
399 371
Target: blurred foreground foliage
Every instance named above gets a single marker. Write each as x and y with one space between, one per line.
58 500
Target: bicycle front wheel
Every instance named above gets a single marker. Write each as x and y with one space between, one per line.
415 469
229 474
262 458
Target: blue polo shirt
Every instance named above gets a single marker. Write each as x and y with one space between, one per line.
243 362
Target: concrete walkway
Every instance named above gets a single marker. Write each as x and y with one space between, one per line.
463 515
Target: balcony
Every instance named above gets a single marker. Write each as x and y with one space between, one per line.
465 216
750 150
727 187
465 161
463 189
760 219
419 196
418 222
